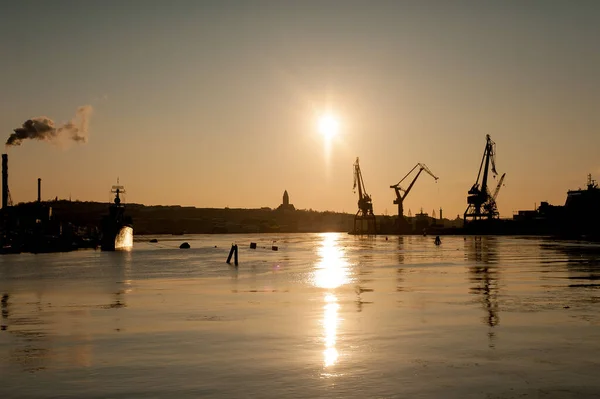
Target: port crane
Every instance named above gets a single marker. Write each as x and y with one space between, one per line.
491 207
365 204
482 204
402 193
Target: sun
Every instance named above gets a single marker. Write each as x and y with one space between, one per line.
328 126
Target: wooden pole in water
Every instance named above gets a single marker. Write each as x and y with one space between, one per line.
230 253
235 256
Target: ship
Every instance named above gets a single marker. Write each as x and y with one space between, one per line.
117 228
578 218
581 216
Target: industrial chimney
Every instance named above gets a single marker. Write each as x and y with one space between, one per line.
4 181
39 190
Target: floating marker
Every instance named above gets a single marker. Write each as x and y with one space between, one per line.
184 245
252 245
274 248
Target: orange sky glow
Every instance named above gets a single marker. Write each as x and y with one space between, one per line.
221 104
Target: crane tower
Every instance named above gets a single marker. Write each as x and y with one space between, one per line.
365 205
482 204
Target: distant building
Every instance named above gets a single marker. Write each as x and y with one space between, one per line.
285 205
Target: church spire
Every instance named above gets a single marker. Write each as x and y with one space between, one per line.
285 204
286 198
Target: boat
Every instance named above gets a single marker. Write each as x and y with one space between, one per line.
587 198
117 228
578 218
581 215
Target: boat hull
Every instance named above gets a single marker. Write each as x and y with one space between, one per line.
118 240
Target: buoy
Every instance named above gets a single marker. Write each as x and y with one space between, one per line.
274 248
184 245
252 245
437 240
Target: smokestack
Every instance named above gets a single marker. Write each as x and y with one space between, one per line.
39 190
4 181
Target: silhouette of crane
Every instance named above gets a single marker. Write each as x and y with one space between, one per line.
365 205
401 193
491 207
481 204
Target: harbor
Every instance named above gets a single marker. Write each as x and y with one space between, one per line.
300 199
32 227
578 218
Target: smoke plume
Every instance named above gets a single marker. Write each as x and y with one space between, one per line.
43 128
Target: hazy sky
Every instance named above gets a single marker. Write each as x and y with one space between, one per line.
215 103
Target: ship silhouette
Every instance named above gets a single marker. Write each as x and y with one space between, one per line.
117 228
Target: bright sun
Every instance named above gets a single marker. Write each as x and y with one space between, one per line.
328 126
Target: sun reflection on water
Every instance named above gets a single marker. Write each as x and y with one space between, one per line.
332 269
331 272
330 323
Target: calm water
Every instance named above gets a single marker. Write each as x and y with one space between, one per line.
328 315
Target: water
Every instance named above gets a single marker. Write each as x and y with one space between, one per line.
327 315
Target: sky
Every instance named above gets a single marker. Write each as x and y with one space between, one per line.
216 103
